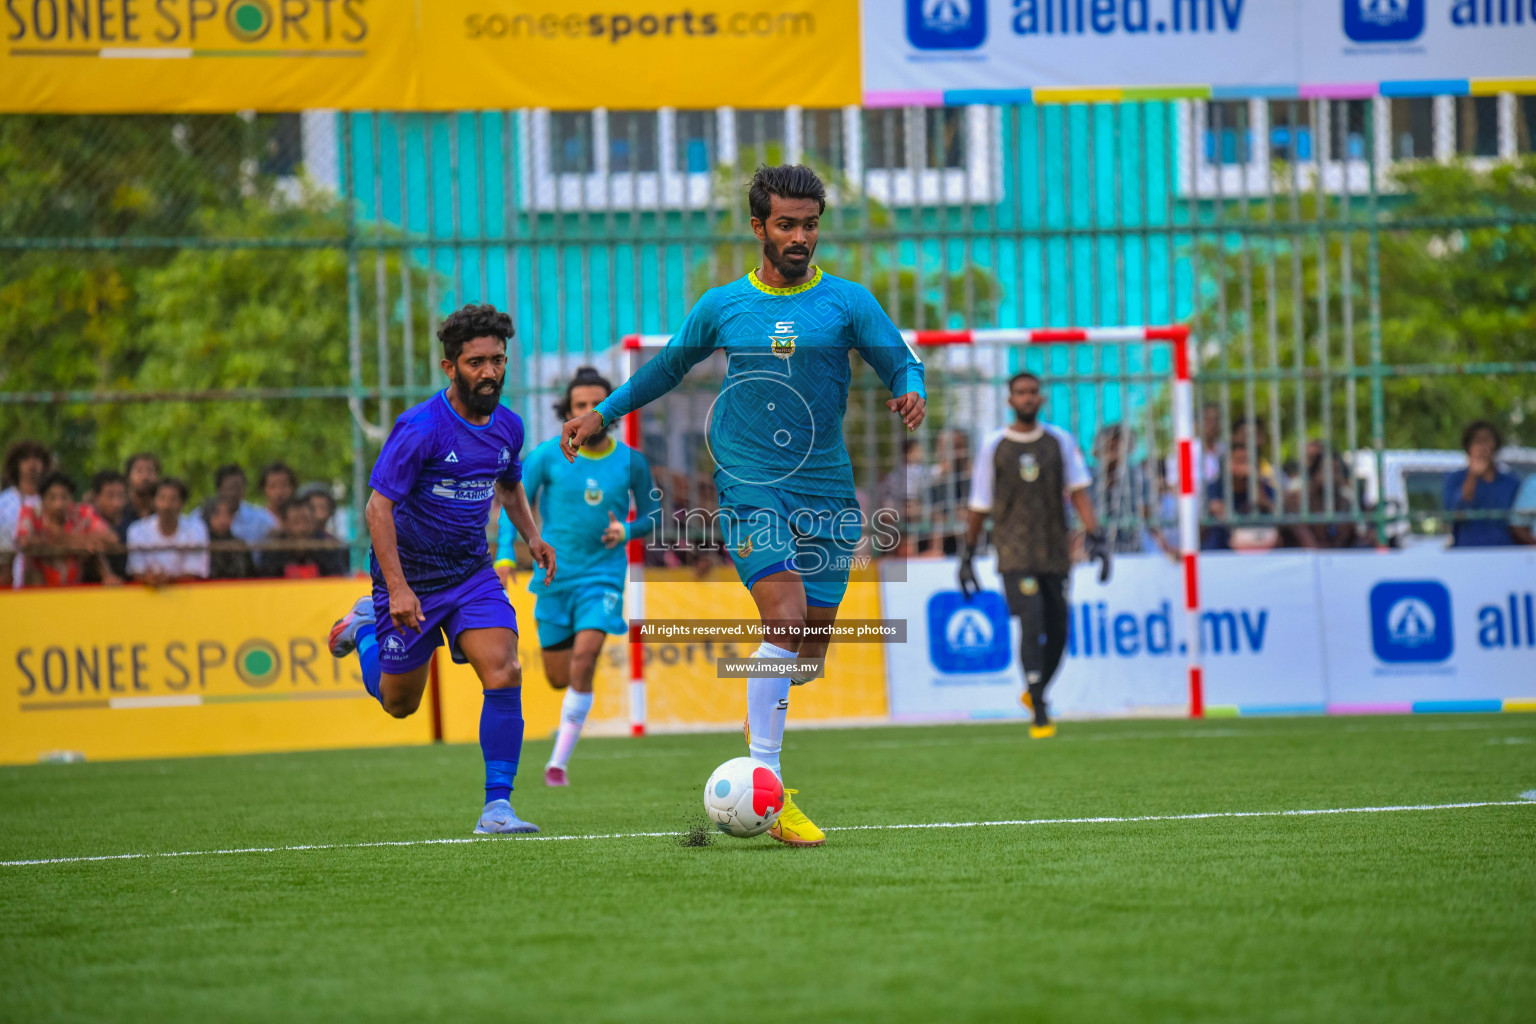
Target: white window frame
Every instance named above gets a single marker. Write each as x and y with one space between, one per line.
1228 181
669 188
978 181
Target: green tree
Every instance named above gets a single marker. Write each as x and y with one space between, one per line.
1449 296
194 317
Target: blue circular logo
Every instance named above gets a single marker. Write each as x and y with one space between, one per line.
723 788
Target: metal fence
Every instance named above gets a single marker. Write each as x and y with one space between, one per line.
268 283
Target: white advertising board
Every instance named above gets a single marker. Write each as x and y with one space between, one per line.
1259 46
1290 632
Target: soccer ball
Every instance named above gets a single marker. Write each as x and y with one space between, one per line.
743 797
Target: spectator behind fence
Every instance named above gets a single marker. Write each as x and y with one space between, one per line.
321 506
168 547
1482 487
949 490
143 473
251 523
1524 524
1122 495
26 463
1251 538
109 498
1320 466
278 482
58 537
296 551
229 557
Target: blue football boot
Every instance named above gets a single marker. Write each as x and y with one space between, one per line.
499 819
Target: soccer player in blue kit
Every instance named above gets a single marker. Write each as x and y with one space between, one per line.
583 507
432 488
776 433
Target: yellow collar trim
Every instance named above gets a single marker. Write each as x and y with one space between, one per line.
796 290
613 445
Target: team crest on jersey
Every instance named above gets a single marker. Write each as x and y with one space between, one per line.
1029 586
593 495
452 457
782 341
1029 467
744 550
394 645
505 456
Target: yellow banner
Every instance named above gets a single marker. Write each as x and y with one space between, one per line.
206 56
209 56
211 668
682 688
639 55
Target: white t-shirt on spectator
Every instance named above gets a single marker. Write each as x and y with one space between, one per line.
11 504
184 554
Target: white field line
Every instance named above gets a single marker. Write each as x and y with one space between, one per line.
1528 802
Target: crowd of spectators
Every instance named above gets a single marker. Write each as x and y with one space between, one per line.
135 525
1313 502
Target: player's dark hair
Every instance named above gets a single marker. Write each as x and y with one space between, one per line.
471 322
586 377
106 478
787 181
293 503
175 482
58 478
226 471
1022 375
19 452
273 468
138 457
1476 427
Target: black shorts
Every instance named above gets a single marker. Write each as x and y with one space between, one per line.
1019 587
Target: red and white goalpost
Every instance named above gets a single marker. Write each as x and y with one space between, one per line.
1177 336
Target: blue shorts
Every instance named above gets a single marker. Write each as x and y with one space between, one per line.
564 613
769 530
477 603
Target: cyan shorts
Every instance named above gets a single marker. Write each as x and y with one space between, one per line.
769 530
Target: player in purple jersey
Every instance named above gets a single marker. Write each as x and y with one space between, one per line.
432 489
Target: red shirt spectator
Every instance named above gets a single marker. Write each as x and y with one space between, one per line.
59 537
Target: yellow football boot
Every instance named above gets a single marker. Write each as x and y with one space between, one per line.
1042 732
793 828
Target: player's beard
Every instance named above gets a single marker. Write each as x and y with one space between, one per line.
788 268
597 438
1027 420
481 399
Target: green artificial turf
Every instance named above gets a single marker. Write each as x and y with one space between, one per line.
1404 916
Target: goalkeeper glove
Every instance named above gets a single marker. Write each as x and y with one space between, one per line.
968 585
1097 546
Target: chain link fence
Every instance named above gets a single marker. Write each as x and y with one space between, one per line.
246 288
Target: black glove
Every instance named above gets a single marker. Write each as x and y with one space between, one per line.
1097 546
968 585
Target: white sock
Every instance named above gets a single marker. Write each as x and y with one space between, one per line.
767 710
573 715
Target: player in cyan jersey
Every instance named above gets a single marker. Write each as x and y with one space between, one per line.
776 433
582 508
1024 476
432 490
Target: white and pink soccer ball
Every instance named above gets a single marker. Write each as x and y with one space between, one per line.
744 797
